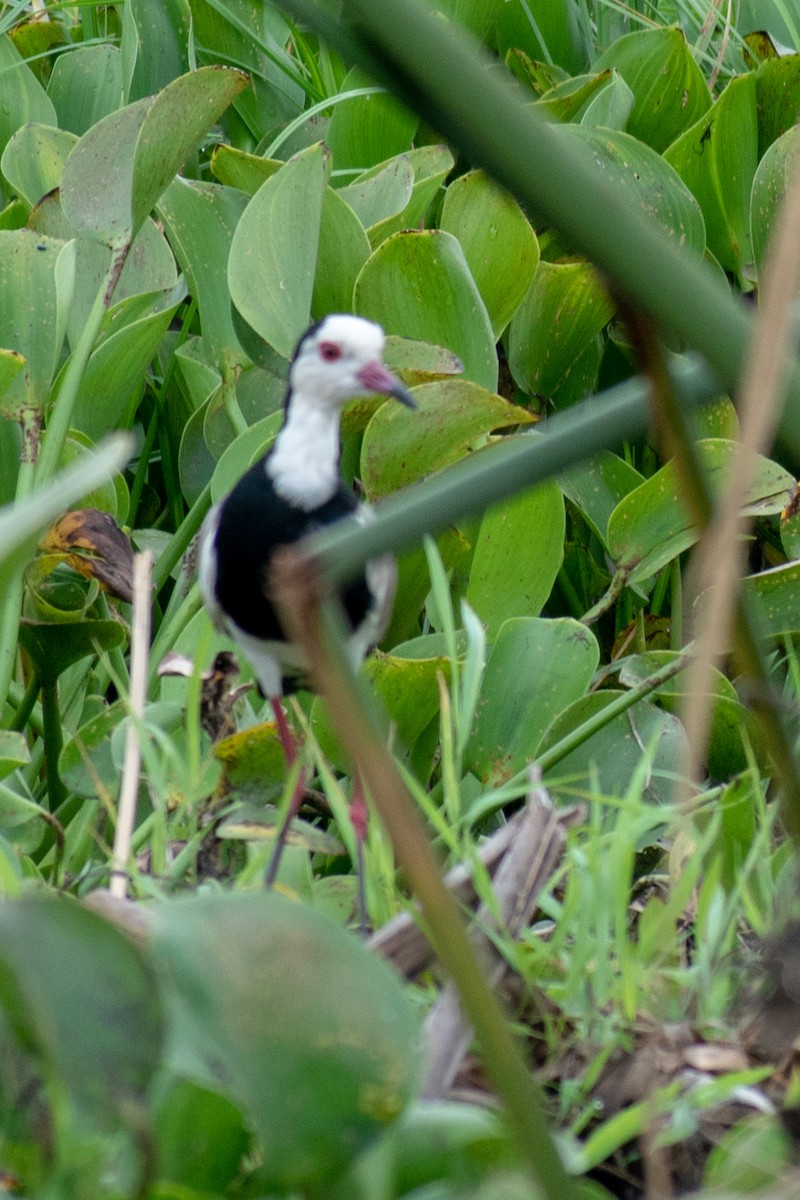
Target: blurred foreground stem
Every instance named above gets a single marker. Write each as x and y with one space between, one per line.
317 628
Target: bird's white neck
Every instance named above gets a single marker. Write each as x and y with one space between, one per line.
304 461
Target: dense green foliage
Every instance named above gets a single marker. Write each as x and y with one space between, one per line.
185 186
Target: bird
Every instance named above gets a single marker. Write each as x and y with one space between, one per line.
293 490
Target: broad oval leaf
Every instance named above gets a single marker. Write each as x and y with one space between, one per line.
647 180
85 1005
34 159
201 219
382 192
777 594
274 250
497 239
597 486
316 1076
452 415
86 85
343 250
777 98
518 554
22 97
419 285
612 755
717 160
535 669
559 319
650 526
772 178
121 166
669 90
366 130
612 105
32 310
431 166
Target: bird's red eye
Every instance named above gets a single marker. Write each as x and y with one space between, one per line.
330 351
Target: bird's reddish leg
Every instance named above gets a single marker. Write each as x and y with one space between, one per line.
290 754
358 818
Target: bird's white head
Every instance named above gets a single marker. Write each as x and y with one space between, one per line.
342 357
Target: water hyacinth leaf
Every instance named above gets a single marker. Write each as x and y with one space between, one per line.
650 526
316 1077
242 452
716 158
611 107
418 285
22 97
771 180
568 98
153 47
647 181
31 311
452 415
85 86
669 90
11 363
85 1006
34 158
121 166
88 760
115 374
366 130
274 250
238 169
610 758
382 192
520 542
413 585
52 646
14 752
556 37
252 759
777 98
201 219
431 166
201 1139
477 16
535 669
559 319
498 241
343 249
726 754
777 593
597 486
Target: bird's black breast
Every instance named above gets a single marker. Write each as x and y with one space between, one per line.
253 521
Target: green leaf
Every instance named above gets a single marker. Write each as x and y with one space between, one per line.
717 160
201 219
610 758
201 1139
121 166
778 596
559 319
274 250
431 166
343 250
33 298
597 486
382 192
22 97
34 159
419 285
452 415
777 98
611 107
568 98
554 37
84 1005
535 669
498 243
726 755
367 130
518 553
772 178
14 752
315 1075
115 374
52 646
650 526
646 180
669 90
154 45
86 85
